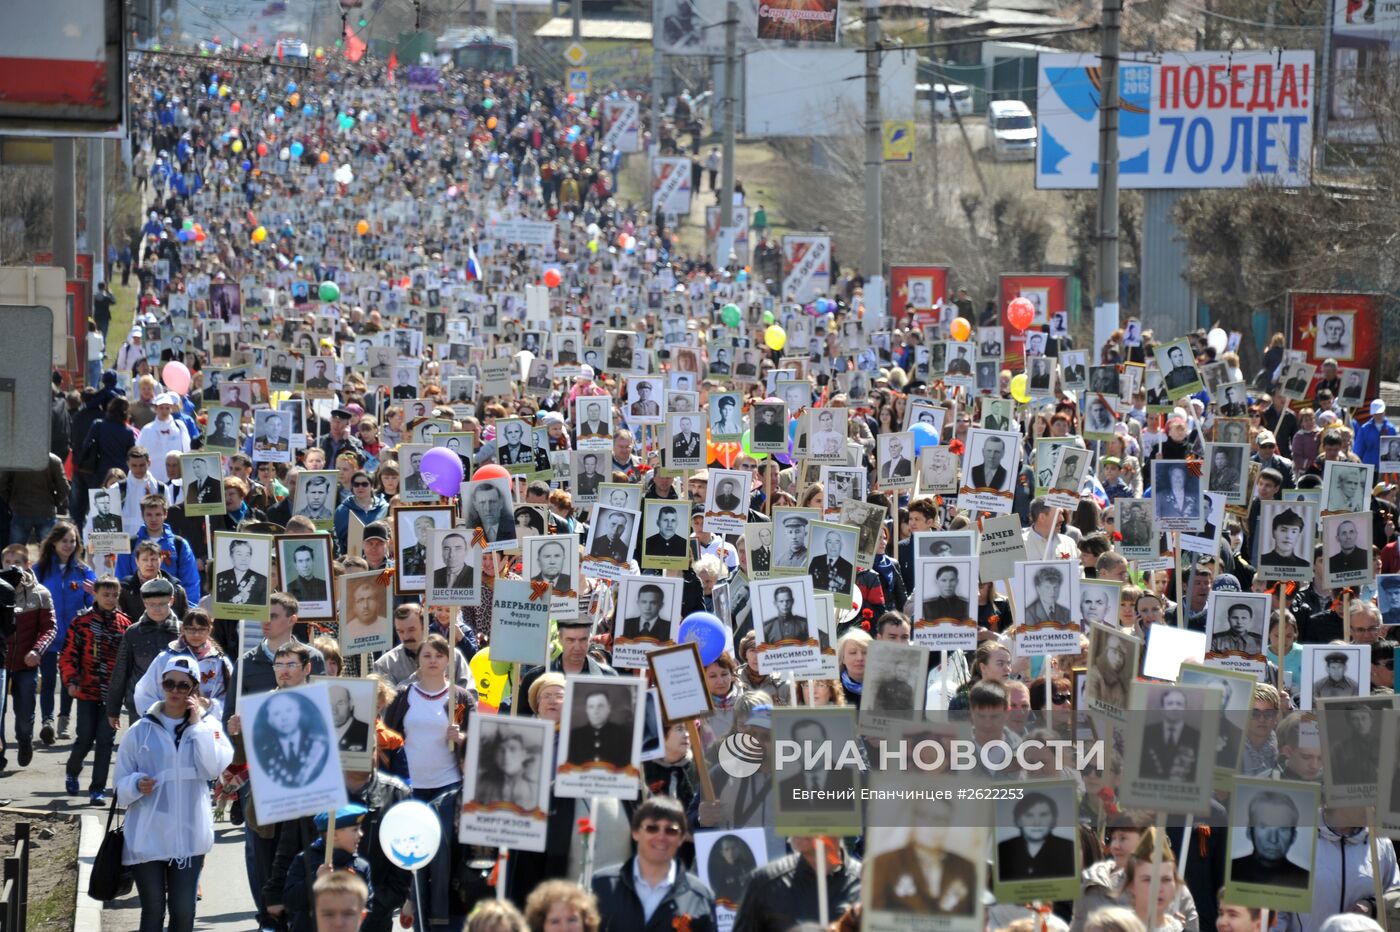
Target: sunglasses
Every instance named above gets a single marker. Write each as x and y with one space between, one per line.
671 829
1061 697
176 686
359 485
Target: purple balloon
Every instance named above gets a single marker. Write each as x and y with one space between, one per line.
442 470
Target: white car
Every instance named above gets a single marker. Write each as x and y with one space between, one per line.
293 48
1011 130
945 97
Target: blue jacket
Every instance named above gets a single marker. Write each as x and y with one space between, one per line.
376 512
178 560
1367 445
70 599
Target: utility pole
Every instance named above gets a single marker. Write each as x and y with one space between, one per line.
731 67
933 98
873 264
658 65
576 9
65 209
94 213
1106 294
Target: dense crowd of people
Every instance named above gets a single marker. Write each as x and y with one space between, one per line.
364 257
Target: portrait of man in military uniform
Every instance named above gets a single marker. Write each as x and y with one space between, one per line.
597 734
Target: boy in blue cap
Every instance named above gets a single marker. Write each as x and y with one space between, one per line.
311 863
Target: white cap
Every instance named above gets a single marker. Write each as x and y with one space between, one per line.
585 372
1377 407
167 398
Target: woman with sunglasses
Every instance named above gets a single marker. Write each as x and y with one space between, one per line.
162 778
196 641
363 501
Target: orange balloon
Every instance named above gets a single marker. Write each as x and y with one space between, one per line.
491 123
325 157
960 329
551 278
362 227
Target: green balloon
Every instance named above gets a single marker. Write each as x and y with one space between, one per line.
488 103
730 314
767 317
744 442
329 291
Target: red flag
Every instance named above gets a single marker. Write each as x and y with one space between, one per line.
354 46
393 63
413 124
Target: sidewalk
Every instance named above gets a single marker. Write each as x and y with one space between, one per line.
227 906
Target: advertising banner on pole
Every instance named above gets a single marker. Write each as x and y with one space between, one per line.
1365 36
806 266
670 184
740 243
622 119
798 20
1189 120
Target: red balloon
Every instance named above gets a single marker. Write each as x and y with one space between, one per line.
262 149
551 278
491 471
1020 313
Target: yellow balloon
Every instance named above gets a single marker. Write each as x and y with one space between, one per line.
259 234
238 145
960 329
491 678
775 338
1018 388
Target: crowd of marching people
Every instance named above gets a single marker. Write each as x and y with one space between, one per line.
280 180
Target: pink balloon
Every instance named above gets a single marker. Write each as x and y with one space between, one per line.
176 377
442 470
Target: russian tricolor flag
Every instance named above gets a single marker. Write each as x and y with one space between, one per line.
473 265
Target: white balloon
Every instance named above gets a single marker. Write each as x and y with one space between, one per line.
1217 340
410 833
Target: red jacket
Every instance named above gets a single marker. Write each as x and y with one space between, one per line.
34 623
90 652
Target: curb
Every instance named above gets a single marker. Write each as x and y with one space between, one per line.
88 915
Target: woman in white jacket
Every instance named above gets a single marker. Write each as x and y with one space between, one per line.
163 771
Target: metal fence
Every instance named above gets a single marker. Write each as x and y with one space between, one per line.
14 894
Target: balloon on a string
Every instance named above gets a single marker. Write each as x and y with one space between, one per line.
259 234
490 122
707 632
730 315
324 157
262 149
551 278
441 468
362 228
768 318
297 150
1019 388
490 471
176 377
235 107
961 329
330 291
775 338
924 436
1020 313
1217 340
745 445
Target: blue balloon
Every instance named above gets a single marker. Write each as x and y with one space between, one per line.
159 96
924 436
291 87
707 632
792 429
280 112
297 149
307 110
247 165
